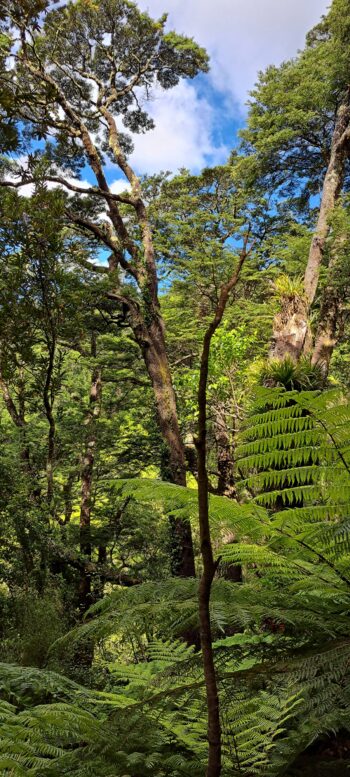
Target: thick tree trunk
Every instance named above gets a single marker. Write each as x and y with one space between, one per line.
86 480
332 310
291 330
332 187
328 330
156 361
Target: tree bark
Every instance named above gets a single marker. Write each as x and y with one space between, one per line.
332 311
209 569
291 334
146 322
156 361
328 331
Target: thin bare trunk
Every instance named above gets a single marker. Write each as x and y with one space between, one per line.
209 565
48 405
68 496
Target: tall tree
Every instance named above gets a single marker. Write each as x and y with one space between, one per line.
87 68
299 131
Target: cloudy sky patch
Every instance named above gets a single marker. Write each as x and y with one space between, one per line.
197 122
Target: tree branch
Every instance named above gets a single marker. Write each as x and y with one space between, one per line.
68 557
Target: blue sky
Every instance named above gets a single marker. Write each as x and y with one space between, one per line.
197 122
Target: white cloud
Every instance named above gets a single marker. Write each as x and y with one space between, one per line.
119 185
242 36
26 190
183 133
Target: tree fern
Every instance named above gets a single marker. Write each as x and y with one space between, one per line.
282 677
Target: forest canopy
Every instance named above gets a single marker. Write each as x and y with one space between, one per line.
174 409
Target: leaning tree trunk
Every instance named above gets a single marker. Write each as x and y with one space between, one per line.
332 187
156 361
148 326
291 331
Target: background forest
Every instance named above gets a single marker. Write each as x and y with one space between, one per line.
174 411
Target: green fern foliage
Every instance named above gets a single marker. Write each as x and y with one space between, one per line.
281 637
